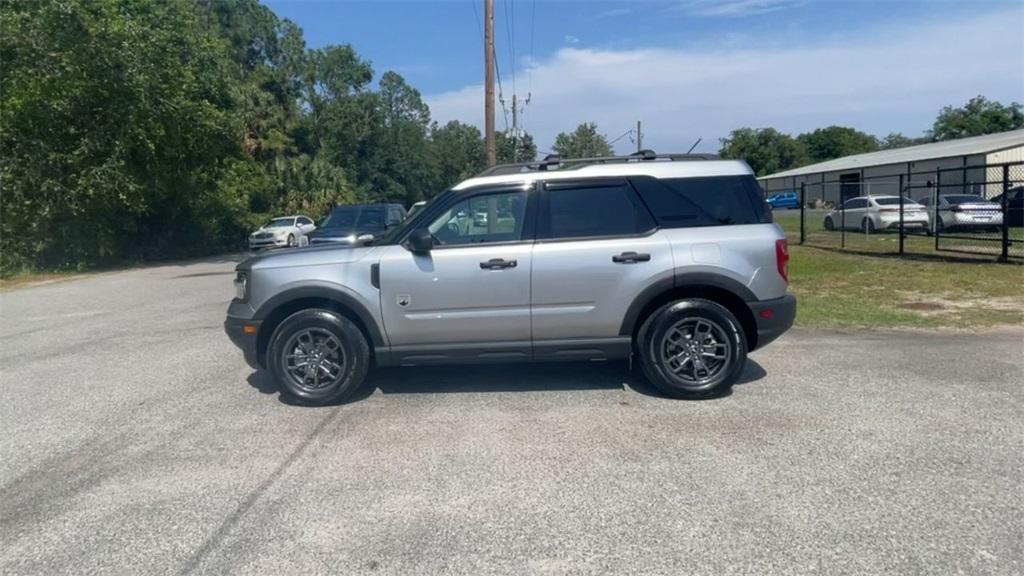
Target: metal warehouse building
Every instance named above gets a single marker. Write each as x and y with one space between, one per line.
969 165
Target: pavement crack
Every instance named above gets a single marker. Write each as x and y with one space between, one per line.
218 536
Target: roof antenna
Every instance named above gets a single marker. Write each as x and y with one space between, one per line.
694 145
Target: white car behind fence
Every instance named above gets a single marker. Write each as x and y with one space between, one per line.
964 212
874 213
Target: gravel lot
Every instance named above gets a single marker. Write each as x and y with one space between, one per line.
134 440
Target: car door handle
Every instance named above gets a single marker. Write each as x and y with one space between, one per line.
627 257
498 264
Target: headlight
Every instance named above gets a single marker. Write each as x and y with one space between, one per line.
241 286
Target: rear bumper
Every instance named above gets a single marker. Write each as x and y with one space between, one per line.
912 222
977 219
235 329
773 318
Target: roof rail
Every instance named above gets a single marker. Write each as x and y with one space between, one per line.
556 162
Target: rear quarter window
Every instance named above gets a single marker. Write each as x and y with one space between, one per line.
703 201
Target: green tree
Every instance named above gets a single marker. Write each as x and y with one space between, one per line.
978 117
457 152
766 150
401 162
115 119
583 142
898 140
835 142
510 150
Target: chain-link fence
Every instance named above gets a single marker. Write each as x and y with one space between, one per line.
971 211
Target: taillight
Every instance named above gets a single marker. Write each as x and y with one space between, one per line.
782 258
888 209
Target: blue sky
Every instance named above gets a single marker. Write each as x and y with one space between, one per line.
690 68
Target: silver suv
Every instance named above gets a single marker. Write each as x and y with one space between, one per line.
671 259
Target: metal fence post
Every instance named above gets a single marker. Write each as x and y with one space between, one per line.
935 203
1005 254
803 203
842 218
900 192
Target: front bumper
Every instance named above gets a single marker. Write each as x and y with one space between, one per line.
334 240
245 340
267 243
773 318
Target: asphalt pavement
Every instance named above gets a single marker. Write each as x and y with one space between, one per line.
135 440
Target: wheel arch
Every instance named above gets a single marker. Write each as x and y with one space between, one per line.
720 289
283 305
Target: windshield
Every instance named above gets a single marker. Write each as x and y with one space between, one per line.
894 200
354 218
963 198
279 223
415 208
412 220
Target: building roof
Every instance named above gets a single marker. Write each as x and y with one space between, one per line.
656 168
961 147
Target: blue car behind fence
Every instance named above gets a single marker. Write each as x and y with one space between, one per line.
784 200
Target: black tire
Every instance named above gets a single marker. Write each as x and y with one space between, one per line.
941 225
291 240
654 341
349 375
829 225
867 225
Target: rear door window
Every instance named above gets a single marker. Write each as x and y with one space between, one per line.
594 209
703 201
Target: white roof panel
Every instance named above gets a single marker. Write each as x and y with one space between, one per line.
961 147
655 168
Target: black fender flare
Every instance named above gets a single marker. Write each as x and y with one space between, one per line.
345 300
680 280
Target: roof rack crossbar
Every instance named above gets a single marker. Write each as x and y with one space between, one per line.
554 161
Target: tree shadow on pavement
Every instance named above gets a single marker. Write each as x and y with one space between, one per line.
538 377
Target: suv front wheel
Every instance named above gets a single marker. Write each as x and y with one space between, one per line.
318 356
692 348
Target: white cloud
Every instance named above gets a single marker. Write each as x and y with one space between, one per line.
735 8
890 79
570 39
615 12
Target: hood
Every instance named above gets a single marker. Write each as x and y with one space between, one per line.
271 229
308 256
341 232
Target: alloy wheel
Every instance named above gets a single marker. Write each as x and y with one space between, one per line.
314 359
696 351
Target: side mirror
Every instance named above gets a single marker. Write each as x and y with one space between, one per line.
421 241
364 238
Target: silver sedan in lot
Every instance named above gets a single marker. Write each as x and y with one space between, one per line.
872 213
964 211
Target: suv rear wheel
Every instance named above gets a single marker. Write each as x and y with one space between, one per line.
692 348
318 356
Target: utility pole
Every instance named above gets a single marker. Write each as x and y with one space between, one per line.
515 124
639 137
489 141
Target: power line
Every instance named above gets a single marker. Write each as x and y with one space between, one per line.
494 58
621 136
511 43
533 27
501 95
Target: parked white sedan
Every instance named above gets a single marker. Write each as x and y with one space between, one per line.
284 231
872 213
